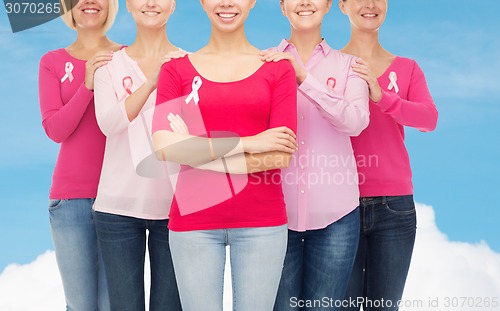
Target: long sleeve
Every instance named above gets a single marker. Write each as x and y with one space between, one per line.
349 114
418 111
110 111
59 120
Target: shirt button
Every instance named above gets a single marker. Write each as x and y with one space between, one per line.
302 142
302 191
302 166
302 117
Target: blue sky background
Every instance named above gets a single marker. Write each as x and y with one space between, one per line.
455 168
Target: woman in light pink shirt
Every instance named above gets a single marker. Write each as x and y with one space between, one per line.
398 97
66 83
131 210
321 185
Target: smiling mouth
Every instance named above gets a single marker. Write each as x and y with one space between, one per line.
227 15
305 13
151 13
369 15
90 11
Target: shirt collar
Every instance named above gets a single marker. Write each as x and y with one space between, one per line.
323 46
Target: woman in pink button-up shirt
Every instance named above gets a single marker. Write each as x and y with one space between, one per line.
321 184
398 97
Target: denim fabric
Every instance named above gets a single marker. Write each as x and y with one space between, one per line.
388 229
123 243
78 255
256 256
318 265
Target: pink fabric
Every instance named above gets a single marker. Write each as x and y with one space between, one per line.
321 184
68 118
246 107
381 155
121 190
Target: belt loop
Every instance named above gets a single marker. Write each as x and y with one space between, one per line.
384 200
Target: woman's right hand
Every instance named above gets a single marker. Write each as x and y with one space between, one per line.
275 139
99 59
362 68
153 80
275 56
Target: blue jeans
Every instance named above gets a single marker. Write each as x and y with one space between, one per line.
318 266
123 243
257 256
78 255
388 228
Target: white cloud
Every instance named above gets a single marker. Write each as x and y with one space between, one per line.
458 273
465 273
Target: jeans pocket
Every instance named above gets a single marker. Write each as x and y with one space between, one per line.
55 203
400 205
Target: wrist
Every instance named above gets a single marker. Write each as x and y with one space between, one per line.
301 77
376 96
150 84
247 144
90 88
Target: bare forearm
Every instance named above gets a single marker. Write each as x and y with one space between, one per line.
249 163
193 150
136 100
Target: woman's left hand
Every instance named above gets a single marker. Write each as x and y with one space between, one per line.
177 124
273 56
165 59
364 71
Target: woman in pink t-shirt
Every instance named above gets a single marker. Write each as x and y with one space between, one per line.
227 192
66 83
398 97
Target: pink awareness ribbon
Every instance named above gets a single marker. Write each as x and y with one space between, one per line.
393 78
194 92
68 68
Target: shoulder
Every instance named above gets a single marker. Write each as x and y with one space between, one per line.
404 62
279 67
408 66
119 62
178 66
342 58
54 56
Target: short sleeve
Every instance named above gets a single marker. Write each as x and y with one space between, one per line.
284 98
168 96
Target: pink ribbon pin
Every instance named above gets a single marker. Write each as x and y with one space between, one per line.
195 86
127 84
331 82
393 77
68 68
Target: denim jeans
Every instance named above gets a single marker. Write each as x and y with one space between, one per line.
256 256
123 243
388 228
78 255
318 265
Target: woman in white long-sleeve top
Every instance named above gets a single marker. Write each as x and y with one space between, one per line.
129 205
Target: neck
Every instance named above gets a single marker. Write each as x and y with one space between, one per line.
228 43
305 42
364 44
91 40
150 43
